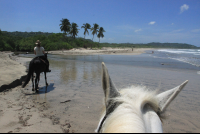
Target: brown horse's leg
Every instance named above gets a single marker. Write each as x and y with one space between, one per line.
37 82
32 77
46 81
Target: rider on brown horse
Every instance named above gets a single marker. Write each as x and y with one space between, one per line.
39 52
37 65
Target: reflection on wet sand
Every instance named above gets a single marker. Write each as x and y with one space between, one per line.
71 69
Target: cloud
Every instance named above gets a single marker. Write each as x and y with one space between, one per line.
196 30
184 8
179 30
172 23
138 30
152 22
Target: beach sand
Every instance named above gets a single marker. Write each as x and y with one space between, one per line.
24 112
104 50
19 113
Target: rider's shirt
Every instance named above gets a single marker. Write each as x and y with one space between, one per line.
39 51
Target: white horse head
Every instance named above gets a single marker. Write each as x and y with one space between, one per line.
134 109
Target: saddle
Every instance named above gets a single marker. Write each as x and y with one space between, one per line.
43 61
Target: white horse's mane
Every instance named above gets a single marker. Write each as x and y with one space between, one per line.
129 113
133 109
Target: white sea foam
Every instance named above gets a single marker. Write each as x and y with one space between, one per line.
181 51
198 72
190 56
186 60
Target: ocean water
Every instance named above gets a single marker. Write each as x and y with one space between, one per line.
190 56
187 59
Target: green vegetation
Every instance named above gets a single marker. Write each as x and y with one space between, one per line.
74 30
94 30
150 45
65 26
86 27
55 41
100 34
25 41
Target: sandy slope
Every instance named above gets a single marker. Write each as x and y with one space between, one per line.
10 70
19 112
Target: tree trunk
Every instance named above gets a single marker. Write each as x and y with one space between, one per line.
93 38
99 40
92 41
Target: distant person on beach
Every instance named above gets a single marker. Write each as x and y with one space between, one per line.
39 52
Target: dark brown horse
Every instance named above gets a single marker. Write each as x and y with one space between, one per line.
37 65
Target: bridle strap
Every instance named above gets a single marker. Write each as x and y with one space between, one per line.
109 110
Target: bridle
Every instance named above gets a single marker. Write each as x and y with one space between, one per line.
111 107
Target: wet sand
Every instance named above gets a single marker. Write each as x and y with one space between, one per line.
74 99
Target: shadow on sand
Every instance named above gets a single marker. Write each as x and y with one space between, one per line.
43 89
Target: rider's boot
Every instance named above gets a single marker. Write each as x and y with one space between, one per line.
48 70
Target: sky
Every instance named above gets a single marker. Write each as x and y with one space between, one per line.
125 21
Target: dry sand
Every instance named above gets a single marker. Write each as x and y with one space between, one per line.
19 112
104 50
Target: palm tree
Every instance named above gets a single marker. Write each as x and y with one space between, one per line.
65 25
86 27
94 30
100 34
74 30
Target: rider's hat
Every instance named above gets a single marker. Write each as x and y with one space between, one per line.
37 42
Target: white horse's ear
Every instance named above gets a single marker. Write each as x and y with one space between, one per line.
167 97
108 87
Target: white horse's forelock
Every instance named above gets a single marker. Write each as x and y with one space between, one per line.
128 116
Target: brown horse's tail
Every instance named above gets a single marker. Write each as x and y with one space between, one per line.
28 77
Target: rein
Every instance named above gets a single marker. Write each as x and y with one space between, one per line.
43 61
109 110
